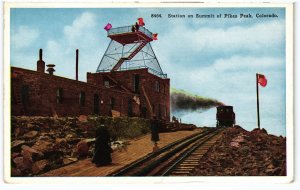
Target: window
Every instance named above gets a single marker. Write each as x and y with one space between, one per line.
59 95
163 89
153 108
159 111
156 86
136 83
96 104
81 98
130 107
106 83
112 103
25 94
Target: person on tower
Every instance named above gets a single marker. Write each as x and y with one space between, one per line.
137 26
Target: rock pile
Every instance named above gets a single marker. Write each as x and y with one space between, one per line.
41 144
243 153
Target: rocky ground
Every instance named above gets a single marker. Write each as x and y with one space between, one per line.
41 144
243 153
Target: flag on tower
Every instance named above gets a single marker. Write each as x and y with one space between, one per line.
141 22
154 36
108 27
261 79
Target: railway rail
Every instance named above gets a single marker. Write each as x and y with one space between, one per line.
176 159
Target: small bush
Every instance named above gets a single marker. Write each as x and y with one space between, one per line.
121 127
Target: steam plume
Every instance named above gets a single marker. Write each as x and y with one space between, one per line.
182 101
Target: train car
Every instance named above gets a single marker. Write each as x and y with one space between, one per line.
225 116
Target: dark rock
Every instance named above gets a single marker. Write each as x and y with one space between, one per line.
243 153
253 172
276 161
274 141
27 163
18 161
19 132
30 125
277 171
31 134
15 172
15 154
39 166
82 149
31 153
16 145
60 142
43 146
244 150
84 127
22 163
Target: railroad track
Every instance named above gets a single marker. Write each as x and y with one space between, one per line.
178 158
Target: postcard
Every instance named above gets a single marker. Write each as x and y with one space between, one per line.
107 92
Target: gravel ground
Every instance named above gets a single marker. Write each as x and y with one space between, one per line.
243 153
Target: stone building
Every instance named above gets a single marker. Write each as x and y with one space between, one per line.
120 93
123 93
128 82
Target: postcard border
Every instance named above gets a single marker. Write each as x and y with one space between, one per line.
289 97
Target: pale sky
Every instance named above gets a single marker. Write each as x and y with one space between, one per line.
215 58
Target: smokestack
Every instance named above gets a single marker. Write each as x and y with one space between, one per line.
77 54
41 54
40 63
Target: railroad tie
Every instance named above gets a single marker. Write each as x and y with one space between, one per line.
184 169
189 164
191 160
180 172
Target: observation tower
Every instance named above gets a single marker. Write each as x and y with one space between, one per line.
130 49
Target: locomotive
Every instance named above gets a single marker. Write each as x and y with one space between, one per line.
225 116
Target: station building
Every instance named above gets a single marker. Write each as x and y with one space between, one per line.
128 82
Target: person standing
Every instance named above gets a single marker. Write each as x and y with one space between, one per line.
154 125
137 26
102 152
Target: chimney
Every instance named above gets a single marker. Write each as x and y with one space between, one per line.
51 69
77 54
40 63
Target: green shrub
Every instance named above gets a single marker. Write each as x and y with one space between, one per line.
121 127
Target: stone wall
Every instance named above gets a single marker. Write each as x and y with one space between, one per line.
41 94
159 98
40 144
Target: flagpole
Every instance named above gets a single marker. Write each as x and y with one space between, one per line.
257 98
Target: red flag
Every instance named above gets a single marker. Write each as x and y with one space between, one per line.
154 36
141 21
261 79
108 27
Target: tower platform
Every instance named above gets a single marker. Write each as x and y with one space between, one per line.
130 49
125 35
